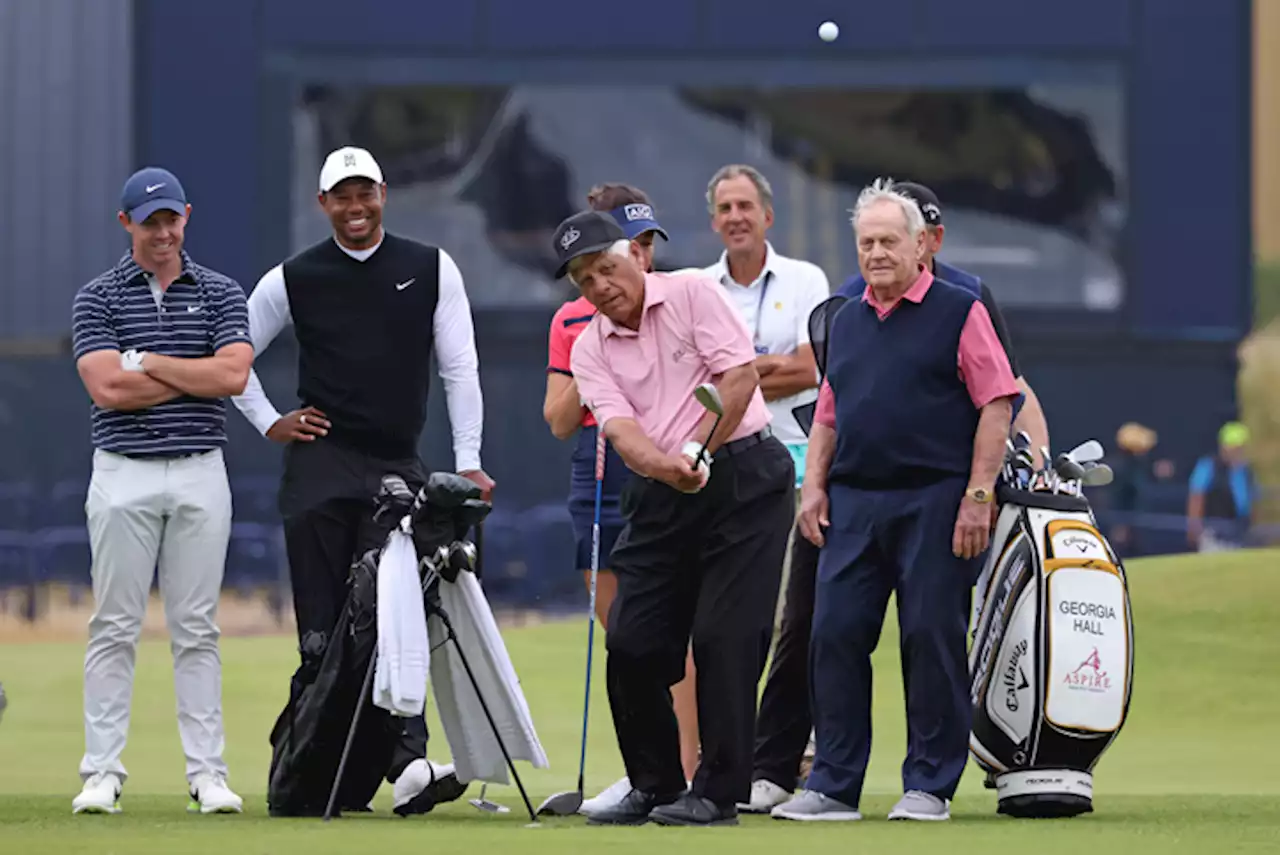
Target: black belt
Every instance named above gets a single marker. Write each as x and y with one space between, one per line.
738 446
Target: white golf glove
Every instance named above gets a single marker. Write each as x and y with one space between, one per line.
131 360
692 450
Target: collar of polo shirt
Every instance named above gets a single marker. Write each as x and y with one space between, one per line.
722 268
654 293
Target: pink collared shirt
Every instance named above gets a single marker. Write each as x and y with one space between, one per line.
689 333
980 360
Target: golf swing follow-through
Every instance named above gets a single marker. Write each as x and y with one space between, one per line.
568 803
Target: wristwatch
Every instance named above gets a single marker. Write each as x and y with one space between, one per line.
981 495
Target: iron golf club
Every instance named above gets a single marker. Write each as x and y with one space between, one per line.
568 803
1087 452
1098 475
709 397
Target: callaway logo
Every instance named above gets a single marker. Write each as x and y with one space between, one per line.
401 286
569 238
151 188
1083 544
638 212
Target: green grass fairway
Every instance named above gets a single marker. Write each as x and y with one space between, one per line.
1197 768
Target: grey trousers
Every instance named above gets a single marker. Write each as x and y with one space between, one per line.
142 513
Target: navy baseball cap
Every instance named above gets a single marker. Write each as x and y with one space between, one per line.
636 219
926 200
152 189
582 234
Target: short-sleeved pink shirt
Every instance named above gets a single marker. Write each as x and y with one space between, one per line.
689 334
566 325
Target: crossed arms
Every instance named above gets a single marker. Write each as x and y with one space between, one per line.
157 378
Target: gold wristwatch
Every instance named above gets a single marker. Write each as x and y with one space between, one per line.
981 495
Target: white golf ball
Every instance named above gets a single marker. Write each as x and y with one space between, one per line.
828 31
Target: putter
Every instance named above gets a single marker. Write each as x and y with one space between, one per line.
487 806
709 397
568 803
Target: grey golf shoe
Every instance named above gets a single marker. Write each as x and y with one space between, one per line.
810 806
921 806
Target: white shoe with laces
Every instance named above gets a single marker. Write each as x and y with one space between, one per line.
101 794
210 794
765 796
921 806
612 796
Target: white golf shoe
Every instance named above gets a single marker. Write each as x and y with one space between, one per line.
100 794
210 794
423 785
765 796
921 807
612 796
811 806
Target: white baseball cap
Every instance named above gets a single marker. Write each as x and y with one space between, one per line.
348 162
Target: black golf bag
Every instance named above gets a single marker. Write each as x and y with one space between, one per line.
1052 658
310 733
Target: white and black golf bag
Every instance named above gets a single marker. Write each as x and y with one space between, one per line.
1051 664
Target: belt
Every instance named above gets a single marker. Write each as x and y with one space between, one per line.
738 446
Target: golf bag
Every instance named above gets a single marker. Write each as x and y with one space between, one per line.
1052 658
309 735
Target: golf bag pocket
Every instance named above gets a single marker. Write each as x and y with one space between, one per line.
1052 661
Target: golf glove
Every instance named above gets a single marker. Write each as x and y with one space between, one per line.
131 360
693 451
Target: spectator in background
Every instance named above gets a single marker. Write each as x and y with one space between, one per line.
1132 465
1222 494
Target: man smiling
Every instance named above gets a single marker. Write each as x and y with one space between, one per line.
369 310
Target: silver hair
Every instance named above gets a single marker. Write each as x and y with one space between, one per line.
883 190
734 170
621 247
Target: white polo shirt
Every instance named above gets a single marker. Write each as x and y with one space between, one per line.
776 309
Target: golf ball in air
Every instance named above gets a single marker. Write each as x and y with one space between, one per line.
828 31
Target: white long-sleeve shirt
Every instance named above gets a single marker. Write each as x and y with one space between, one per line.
453 339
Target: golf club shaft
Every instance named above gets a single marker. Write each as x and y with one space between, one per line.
703 453
591 612
484 705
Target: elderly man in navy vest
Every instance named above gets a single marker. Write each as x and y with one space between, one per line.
1028 414
903 456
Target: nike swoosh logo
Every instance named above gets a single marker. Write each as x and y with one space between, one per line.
194 309
404 285
151 188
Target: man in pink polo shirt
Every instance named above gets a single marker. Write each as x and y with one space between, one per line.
906 444
701 553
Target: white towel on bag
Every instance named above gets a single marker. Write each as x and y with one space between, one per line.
400 675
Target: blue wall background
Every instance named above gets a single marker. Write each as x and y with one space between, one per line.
222 123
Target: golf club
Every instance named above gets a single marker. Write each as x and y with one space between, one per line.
487 806
1068 469
709 397
567 803
1098 475
1087 452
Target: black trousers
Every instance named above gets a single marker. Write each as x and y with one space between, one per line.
708 566
326 500
785 721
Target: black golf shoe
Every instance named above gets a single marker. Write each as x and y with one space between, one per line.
634 809
692 809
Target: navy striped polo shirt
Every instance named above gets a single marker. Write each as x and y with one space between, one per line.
199 313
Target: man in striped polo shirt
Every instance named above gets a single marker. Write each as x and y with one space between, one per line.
159 341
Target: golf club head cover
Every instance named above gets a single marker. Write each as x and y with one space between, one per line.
447 490
394 499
